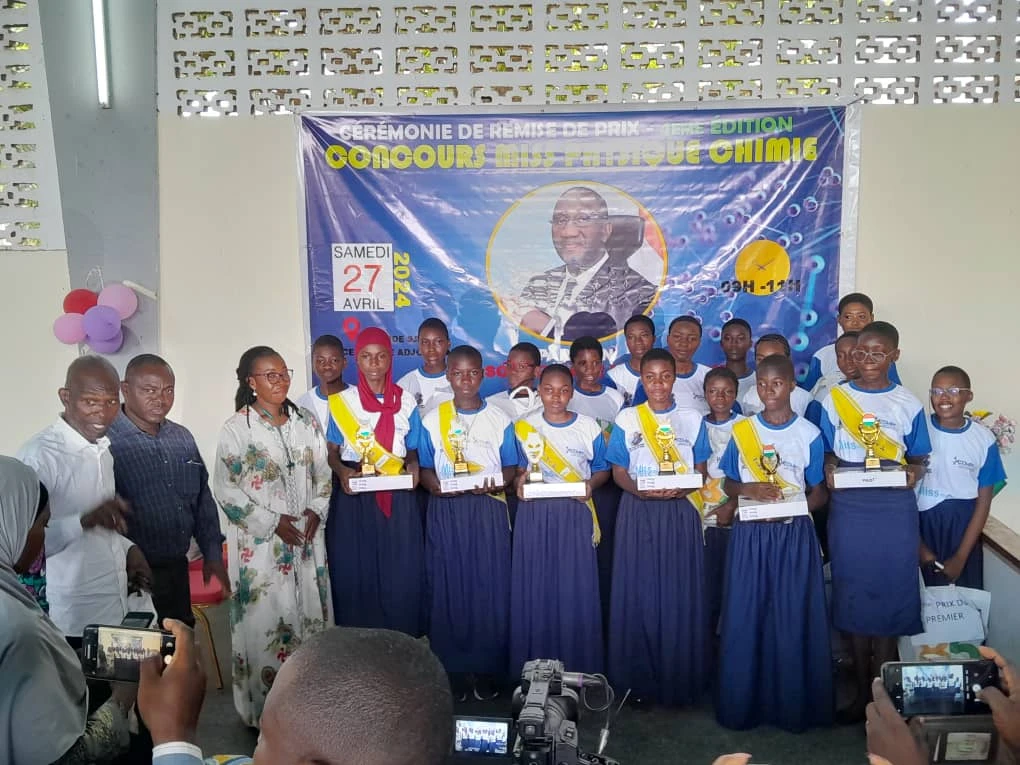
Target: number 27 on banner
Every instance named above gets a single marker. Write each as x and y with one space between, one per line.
370 277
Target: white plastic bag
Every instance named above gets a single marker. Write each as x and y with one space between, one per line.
955 622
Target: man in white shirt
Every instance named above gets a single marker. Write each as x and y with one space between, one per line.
89 563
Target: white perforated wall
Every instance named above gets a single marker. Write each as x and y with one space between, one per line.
258 58
30 217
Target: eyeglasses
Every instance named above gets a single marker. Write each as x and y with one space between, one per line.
859 355
274 377
581 221
948 391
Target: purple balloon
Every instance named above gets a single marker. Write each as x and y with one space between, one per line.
69 328
101 322
106 346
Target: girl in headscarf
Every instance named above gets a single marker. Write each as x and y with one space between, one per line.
273 482
43 698
375 539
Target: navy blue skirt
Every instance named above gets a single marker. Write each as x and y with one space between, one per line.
376 564
717 540
467 558
942 529
775 663
607 501
554 595
658 631
874 541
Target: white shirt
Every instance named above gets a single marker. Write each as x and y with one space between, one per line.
515 408
313 401
626 380
601 407
689 389
429 391
86 570
751 403
962 461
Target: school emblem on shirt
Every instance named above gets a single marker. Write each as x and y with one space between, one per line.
418 398
627 398
636 439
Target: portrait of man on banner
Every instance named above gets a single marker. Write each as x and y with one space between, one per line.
596 287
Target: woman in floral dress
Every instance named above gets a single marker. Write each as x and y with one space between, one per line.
273 482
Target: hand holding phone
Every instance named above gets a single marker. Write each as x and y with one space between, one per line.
115 653
939 687
170 696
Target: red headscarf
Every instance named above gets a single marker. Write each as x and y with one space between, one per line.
385 428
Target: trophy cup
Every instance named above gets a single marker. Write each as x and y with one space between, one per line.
458 439
534 447
665 439
870 430
364 441
769 461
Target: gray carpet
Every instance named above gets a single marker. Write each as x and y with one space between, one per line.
639 737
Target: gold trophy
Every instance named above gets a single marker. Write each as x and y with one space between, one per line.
363 444
769 461
534 447
666 440
870 430
458 439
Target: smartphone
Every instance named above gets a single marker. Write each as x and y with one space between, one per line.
476 737
138 619
939 687
115 653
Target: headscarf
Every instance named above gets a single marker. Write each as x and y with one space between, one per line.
43 698
385 428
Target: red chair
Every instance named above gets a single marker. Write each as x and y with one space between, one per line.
204 596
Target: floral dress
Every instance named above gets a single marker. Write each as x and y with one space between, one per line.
280 592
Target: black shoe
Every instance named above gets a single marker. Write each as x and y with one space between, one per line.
485 688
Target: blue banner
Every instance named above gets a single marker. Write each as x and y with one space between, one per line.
545 227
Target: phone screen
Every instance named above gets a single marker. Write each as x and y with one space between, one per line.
939 688
118 651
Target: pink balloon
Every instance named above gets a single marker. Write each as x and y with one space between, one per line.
107 346
120 297
69 328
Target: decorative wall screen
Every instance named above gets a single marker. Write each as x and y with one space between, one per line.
254 58
30 217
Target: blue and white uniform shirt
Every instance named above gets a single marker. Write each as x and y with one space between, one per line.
799 444
627 447
516 408
750 402
689 389
961 462
601 407
823 365
719 434
579 441
489 441
626 381
899 412
406 425
428 391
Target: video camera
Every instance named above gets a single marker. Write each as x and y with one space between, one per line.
546 707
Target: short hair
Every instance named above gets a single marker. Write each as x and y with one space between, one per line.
725 373
884 330
658 354
437 324
90 364
329 341
776 363
555 369
585 343
953 370
466 352
529 348
371 696
145 360
847 336
736 321
855 297
584 191
686 320
639 318
774 337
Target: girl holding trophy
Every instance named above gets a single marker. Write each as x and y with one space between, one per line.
658 631
554 594
374 537
468 453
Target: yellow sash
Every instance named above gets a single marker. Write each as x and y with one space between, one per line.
751 449
559 464
649 426
851 415
386 462
447 413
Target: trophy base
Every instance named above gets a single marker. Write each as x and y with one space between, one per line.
367 469
360 484
554 490
675 481
461 469
535 476
856 478
667 468
788 507
468 482
872 463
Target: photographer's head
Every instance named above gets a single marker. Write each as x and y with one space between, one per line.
364 696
